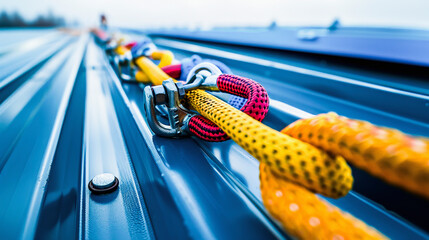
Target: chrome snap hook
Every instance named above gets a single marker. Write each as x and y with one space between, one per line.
204 76
168 94
124 63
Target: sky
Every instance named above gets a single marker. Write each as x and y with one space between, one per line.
219 13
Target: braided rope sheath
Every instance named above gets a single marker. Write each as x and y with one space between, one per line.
237 102
288 157
256 106
305 215
206 129
386 153
256 95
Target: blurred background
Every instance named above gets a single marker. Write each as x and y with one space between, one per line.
203 14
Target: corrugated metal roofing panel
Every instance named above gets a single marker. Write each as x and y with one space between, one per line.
65 117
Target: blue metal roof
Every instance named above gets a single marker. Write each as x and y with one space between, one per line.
66 117
395 45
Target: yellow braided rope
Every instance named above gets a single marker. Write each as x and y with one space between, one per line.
291 158
386 153
288 157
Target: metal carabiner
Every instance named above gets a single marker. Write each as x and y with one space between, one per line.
124 63
203 76
110 47
169 95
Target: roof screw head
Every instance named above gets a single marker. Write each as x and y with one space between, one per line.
103 183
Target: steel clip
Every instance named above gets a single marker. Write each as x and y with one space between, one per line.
168 95
124 63
203 76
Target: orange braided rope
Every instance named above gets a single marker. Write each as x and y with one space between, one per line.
386 153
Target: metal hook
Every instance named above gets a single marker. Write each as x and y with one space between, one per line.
204 76
126 70
168 94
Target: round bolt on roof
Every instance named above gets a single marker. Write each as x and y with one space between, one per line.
103 183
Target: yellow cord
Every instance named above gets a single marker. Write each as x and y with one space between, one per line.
149 72
121 50
288 157
305 215
166 58
291 158
386 153
142 77
153 72
147 67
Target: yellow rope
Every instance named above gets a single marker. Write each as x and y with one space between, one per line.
142 77
147 67
153 72
149 72
121 50
166 58
290 158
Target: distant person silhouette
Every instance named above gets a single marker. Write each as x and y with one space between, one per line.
103 22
